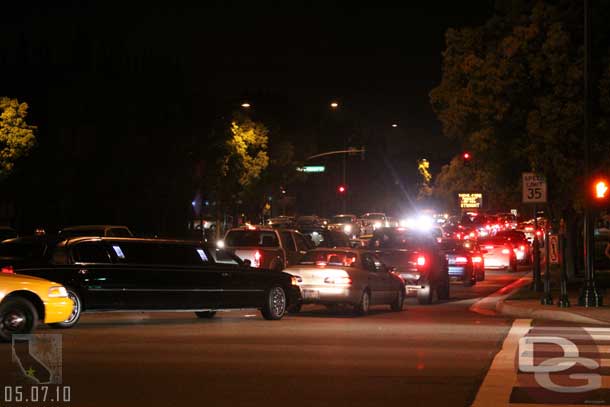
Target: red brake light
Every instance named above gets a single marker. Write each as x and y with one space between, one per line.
461 260
522 248
257 259
421 261
477 259
505 251
8 270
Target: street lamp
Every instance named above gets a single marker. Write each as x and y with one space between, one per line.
334 105
246 105
394 125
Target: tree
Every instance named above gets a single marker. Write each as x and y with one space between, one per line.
512 92
423 167
16 136
246 151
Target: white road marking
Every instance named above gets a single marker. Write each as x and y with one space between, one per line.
502 375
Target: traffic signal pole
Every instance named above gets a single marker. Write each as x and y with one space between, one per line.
589 295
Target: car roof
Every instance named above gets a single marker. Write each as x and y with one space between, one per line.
85 227
80 239
261 229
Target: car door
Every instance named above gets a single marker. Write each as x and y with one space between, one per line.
242 286
377 279
302 246
101 283
292 255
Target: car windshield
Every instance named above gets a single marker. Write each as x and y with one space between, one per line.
398 239
342 219
330 258
253 238
510 235
81 232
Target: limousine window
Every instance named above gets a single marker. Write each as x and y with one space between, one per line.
224 257
90 252
158 254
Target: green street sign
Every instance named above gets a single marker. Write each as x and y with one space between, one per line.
312 168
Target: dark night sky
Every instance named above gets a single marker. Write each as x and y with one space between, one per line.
104 65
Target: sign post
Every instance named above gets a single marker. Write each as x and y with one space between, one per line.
535 191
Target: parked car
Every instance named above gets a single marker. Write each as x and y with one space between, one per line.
348 276
130 274
464 260
267 248
499 253
7 232
347 224
322 237
417 259
25 300
95 230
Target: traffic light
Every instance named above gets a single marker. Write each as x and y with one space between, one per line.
599 192
466 156
341 189
601 189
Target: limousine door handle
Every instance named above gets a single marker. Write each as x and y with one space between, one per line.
225 274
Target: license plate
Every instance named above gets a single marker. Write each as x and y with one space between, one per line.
311 294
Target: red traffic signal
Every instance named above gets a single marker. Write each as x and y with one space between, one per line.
601 189
341 189
466 155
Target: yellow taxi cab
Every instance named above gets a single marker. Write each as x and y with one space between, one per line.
25 300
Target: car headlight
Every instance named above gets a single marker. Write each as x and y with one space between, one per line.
220 244
294 280
57 292
347 228
377 225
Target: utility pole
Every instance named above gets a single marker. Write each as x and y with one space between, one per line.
589 295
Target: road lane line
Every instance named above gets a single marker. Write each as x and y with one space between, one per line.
487 305
502 375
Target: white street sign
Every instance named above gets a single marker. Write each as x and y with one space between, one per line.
534 188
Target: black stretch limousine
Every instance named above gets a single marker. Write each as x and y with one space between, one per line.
129 274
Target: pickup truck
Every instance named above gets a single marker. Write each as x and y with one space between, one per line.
267 248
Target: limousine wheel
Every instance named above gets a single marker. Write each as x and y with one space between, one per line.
205 314
17 316
76 311
275 306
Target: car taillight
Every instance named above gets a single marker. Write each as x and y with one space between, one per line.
461 260
421 261
257 259
489 247
505 251
522 247
8 270
477 259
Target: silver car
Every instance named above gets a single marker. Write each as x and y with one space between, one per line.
347 276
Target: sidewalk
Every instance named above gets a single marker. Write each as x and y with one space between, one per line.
524 303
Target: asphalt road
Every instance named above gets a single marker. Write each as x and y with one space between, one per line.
426 355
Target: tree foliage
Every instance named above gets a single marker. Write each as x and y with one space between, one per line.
246 151
512 92
16 136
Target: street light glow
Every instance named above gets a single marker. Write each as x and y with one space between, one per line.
245 105
394 125
334 105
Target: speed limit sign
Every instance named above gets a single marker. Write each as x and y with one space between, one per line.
534 188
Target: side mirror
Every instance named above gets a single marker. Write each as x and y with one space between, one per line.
247 263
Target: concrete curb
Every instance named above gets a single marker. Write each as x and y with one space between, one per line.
518 311
525 311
